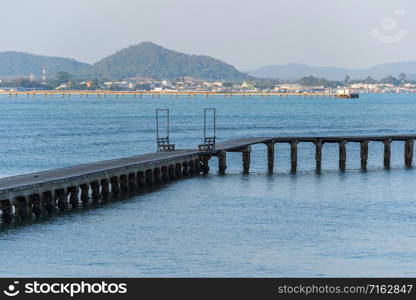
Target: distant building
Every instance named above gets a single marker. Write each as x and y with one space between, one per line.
247 86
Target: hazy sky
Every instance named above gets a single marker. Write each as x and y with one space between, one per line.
246 33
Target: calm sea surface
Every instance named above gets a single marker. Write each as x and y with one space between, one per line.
351 224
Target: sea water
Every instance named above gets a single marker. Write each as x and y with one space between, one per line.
334 224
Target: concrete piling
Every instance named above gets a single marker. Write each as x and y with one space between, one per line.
115 186
205 164
85 196
171 171
73 196
141 179
21 205
7 209
49 199
192 170
149 177
62 199
408 153
198 166
293 156
132 182
105 189
157 178
165 173
364 154
245 154
124 185
318 155
178 170
222 161
95 191
342 155
185 168
387 153
270 157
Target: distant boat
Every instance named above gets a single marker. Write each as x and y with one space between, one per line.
347 94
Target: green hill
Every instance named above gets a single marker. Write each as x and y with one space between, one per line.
150 60
17 64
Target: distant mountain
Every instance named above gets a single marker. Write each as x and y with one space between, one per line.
295 71
16 64
150 60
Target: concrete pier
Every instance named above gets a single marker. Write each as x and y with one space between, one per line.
33 195
27 196
239 145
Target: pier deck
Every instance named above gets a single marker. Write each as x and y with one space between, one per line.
33 194
62 175
244 142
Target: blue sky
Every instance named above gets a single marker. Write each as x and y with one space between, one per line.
248 34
